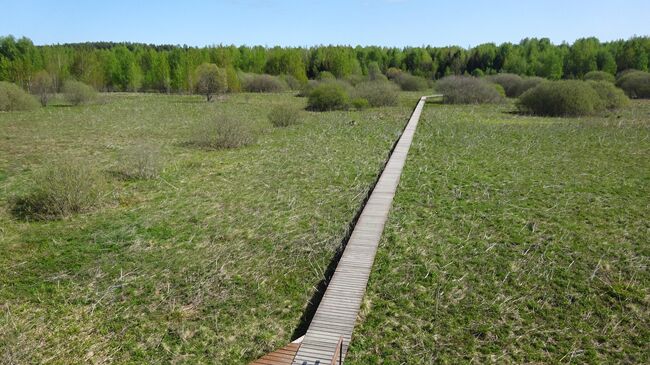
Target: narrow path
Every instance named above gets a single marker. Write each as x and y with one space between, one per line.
332 325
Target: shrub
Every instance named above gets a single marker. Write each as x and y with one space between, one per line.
393 72
515 85
467 90
328 96
377 93
223 132
211 80
354 80
599 76
408 82
478 72
262 83
232 80
561 98
499 89
528 83
511 83
141 162
360 103
292 82
42 85
636 84
64 187
326 75
77 93
13 98
284 115
306 89
374 72
611 96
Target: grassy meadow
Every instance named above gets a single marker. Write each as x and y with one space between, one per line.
213 261
515 239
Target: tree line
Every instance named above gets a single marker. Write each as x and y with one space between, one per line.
167 68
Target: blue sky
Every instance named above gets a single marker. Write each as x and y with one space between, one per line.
306 23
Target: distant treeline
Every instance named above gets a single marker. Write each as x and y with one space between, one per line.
140 67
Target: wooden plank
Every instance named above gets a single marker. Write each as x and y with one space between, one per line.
337 312
282 356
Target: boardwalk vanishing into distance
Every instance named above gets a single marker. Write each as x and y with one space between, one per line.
330 331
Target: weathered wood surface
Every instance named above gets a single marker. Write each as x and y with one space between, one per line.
337 312
283 356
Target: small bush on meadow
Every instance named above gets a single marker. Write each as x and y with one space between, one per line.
142 161
636 84
408 82
306 89
326 75
284 115
210 80
232 80
374 72
223 131
62 188
467 90
292 82
561 98
599 76
393 72
611 96
14 98
500 90
528 83
77 93
360 103
263 83
377 93
328 96
42 86
354 80
510 83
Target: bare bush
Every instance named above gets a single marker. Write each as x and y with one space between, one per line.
377 93
284 115
142 161
223 131
467 90
42 85
62 188
262 83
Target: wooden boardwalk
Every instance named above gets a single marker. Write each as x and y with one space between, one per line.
337 312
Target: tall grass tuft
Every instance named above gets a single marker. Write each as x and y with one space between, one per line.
66 186
223 131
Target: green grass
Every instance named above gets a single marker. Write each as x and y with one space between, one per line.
515 240
211 262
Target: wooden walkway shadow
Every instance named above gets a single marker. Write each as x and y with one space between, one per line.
330 331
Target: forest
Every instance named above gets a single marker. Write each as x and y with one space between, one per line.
111 66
